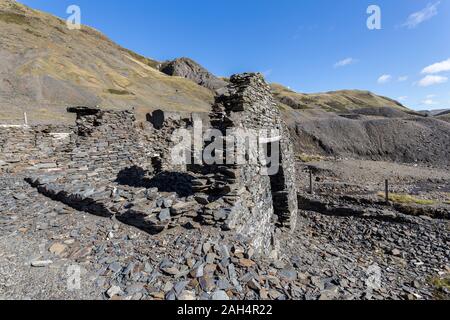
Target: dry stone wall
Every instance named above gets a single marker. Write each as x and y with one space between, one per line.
107 142
34 148
159 136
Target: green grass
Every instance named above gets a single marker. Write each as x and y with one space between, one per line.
60 29
309 158
440 284
445 117
448 198
335 101
11 17
151 63
406 199
119 92
33 33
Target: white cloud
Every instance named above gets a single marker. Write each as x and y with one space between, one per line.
437 67
402 78
267 73
429 102
402 98
432 80
345 62
385 78
423 15
431 96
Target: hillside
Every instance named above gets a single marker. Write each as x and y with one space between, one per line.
444 117
335 101
409 139
45 67
435 113
359 124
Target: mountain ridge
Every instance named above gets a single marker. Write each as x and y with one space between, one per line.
48 67
334 101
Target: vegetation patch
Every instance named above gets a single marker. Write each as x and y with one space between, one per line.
149 62
283 107
447 201
60 29
441 284
309 157
11 17
445 117
120 92
406 199
33 33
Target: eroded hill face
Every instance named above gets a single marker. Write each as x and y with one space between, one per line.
362 125
406 140
45 67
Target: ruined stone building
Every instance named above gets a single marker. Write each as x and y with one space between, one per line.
111 165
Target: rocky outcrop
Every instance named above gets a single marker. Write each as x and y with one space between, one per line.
189 69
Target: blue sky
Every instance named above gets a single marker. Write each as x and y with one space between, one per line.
308 45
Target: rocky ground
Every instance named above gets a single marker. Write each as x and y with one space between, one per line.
366 179
51 251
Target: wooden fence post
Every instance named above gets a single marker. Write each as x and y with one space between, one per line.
311 184
386 188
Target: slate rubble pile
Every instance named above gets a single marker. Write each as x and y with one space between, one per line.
326 257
